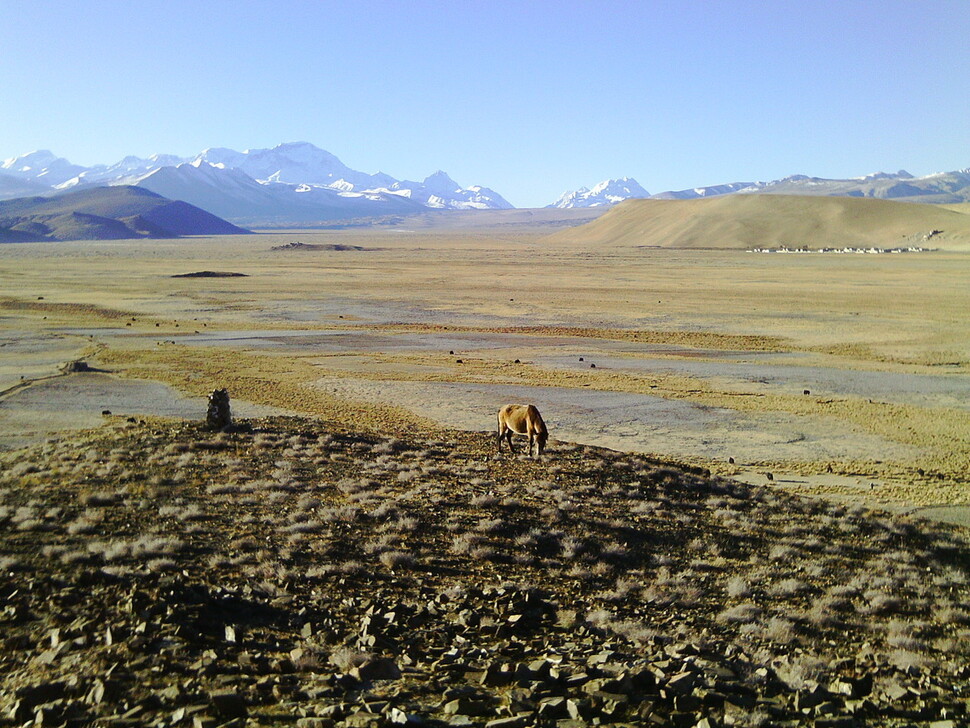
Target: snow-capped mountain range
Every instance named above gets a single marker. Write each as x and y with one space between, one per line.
299 183
291 183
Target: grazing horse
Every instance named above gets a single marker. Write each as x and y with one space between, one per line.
522 419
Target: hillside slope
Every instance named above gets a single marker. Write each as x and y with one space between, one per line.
750 221
105 213
295 570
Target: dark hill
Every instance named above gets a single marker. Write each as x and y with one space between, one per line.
106 213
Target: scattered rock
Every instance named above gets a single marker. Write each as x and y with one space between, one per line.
77 366
229 704
261 611
210 274
298 246
379 668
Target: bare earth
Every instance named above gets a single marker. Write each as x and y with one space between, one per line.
843 376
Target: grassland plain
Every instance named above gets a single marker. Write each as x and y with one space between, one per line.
403 300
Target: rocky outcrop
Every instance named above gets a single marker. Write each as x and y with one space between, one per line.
218 416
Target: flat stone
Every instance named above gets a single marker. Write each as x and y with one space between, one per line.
315 723
171 694
809 699
496 675
396 716
829 707
540 669
603 697
379 668
49 714
363 719
682 682
513 722
335 711
852 687
898 692
467 706
553 707
229 704
577 680
687 703
41 693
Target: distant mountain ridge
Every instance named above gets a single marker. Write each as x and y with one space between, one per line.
105 213
294 182
939 188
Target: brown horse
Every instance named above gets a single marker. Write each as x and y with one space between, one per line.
522 419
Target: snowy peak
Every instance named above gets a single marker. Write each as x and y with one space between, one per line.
41 166
441 184
293 162
220 157
29 164
606 193
901 174
439 191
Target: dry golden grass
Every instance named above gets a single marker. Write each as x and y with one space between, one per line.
694 339
270 380
890 313
749 221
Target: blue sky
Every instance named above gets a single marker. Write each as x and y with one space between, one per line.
529 98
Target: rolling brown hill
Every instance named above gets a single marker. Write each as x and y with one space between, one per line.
772 221
105 213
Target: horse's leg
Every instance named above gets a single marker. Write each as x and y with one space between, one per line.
532 437
508 437
501 432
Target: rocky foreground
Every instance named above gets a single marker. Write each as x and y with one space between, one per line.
157 574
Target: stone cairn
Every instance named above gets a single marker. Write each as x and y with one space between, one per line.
218 416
